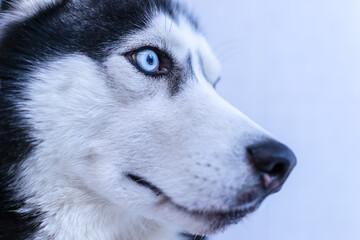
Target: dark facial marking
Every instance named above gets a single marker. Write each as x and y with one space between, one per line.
181 74
188 236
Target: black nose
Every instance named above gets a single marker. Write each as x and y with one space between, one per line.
274 161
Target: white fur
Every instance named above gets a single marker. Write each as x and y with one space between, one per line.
96 124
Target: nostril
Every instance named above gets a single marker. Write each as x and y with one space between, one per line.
278 170
270 165
274 162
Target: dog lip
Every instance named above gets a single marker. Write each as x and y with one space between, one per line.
217 220
222 217
141 181
229 216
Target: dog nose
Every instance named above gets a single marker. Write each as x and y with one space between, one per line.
274 161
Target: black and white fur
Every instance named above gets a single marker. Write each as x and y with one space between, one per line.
91 148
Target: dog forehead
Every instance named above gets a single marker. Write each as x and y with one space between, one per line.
181 39
179 36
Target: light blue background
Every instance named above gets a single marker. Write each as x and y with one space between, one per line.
293 66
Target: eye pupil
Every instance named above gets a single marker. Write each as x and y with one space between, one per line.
150 59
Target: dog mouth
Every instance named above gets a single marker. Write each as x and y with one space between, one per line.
216 219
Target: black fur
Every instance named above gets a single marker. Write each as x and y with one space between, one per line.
53 31
193 237
5 4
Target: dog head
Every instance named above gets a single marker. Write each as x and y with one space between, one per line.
121 102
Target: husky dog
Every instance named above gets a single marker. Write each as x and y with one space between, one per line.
110 127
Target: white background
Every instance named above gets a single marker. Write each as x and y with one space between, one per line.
293 66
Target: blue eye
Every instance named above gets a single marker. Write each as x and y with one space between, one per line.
147 60
150 61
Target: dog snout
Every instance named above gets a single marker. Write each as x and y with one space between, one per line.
273 162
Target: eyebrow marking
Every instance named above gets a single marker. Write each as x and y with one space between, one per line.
190 69
180 75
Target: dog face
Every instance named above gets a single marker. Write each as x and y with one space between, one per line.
135 121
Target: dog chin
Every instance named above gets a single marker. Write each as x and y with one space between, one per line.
199 222
211 222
